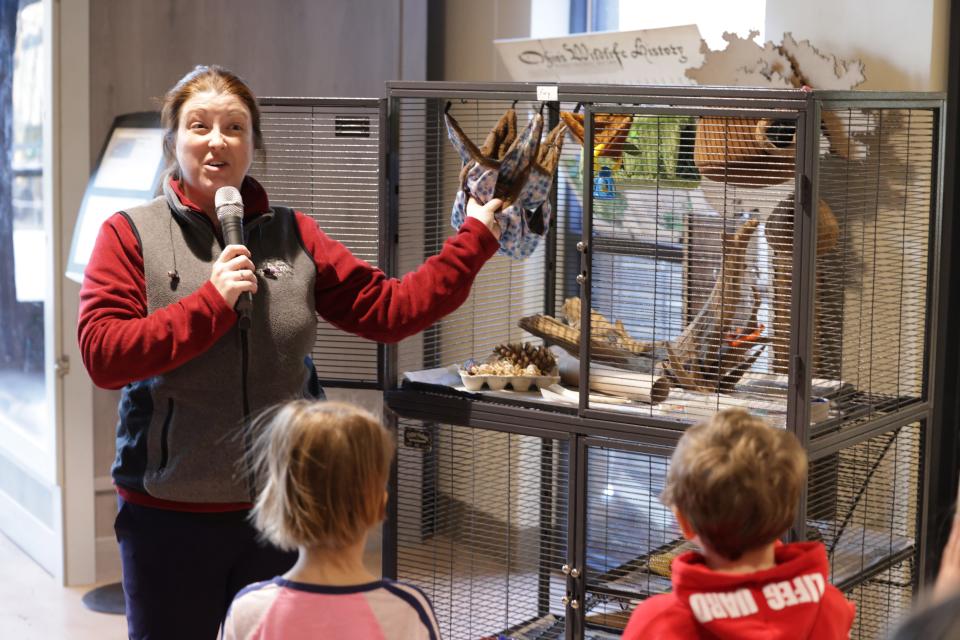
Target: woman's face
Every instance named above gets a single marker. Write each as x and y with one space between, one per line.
214 145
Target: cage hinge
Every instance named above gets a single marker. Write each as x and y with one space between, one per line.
799 375
806 189
62 366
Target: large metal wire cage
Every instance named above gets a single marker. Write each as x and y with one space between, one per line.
765 249
771 250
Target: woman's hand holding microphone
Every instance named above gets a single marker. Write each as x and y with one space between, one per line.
234 273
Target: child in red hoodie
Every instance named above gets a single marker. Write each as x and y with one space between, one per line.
734 483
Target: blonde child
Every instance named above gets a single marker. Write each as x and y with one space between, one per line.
734 484
323 468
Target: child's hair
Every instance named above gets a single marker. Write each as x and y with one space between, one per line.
737 481
322 469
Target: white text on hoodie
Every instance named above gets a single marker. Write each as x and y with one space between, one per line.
707 607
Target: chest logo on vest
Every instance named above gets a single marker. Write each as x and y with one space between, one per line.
274 269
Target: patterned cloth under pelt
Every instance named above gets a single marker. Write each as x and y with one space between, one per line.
515 168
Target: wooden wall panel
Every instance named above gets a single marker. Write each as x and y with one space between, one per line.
139 48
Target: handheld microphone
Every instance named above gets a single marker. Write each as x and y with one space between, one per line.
229 206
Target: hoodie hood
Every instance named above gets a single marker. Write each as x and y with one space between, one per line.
791 600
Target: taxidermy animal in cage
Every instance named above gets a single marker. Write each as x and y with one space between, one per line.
721 343
514 167
609 134
779 231
760 152
756 152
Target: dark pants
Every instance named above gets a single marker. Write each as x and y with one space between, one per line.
181 570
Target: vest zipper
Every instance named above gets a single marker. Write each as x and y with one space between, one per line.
164 436
247 431
244 365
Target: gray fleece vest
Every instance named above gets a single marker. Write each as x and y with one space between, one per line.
195 435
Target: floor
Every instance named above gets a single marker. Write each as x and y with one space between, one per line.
33 605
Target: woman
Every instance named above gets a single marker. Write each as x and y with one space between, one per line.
157 319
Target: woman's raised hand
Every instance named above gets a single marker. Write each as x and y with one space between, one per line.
233 273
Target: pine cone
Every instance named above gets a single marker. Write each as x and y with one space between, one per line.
524 354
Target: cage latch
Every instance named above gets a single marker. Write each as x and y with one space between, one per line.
799 375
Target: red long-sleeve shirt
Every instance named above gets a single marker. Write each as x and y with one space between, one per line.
121 343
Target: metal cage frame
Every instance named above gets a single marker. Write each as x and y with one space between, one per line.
588 426
584 426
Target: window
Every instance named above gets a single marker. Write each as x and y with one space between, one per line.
22 398
595 15
26 417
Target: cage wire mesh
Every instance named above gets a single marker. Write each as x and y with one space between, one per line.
883 601
692 260
325 161
429 168
691 265
873 290
863 503
630 536
569 213
482 529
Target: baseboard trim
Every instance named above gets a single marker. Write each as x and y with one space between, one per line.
103 484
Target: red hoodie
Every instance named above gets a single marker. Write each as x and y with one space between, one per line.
790 601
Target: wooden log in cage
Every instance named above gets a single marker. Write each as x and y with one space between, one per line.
703 357
602 348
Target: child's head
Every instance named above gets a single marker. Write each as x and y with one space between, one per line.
323 469
736 481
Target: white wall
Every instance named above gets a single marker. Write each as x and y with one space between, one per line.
903 44
712 18
549 18
469 29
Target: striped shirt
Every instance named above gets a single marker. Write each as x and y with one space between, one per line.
279 608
